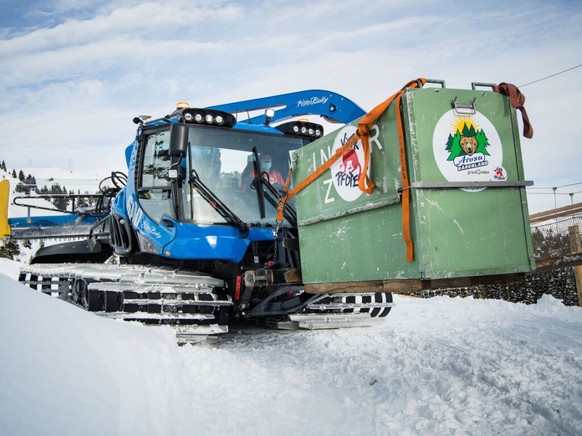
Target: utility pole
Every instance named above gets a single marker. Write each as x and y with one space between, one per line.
576 247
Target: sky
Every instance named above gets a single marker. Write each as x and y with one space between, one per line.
74 73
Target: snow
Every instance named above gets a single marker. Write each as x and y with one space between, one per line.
436 366
22 211
65 371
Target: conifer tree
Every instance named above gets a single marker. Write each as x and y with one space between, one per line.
9 250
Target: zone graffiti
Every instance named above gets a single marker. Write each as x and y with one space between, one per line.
345 173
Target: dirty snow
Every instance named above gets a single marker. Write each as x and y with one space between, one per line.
437 366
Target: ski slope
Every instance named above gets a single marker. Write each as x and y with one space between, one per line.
437 366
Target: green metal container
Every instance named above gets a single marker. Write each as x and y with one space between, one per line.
468 208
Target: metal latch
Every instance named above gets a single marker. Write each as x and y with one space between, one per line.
463 108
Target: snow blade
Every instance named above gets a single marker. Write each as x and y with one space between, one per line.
88 250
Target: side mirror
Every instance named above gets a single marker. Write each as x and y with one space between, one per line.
178 140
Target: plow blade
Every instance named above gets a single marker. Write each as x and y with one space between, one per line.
88 250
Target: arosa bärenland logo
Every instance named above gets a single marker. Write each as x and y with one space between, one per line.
346 171
467 148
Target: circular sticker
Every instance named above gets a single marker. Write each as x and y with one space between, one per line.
346 170
467 148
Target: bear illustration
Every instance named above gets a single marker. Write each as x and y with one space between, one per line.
468 144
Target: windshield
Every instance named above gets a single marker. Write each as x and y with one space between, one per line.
223 160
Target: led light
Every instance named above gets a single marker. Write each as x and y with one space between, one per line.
269 114
317 132
188 116
311 131
296 128
303 130
209 118
198 117
219 119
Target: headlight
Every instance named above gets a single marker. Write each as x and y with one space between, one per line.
206 116
302 128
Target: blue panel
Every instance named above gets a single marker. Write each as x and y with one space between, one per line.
309 102
52 221
118 204
213 242
158 235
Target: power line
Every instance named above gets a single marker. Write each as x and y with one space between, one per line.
551 193
551 75
571 184
553 187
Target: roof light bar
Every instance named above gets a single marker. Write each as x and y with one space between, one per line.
302 128
208 117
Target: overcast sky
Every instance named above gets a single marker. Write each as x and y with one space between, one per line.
73 73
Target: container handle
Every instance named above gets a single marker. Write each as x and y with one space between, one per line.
436 81
474 85
462 108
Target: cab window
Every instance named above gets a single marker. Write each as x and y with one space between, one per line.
154 191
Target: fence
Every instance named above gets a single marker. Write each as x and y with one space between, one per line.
557 242
558 254
556 237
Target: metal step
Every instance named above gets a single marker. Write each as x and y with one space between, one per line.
373 304
313 321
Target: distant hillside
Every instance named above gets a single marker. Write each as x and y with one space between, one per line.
19 211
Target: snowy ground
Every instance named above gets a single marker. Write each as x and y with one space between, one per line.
439 366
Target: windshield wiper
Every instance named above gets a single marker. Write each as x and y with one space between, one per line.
217 204
259 182
273 197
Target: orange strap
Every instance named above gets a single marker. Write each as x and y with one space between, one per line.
364 183
405 185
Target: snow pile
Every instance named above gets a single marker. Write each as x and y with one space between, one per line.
66 371
437 366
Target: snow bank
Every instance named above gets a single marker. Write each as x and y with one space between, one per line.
437 366
65 371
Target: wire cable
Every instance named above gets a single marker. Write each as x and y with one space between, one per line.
553 187
551 75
